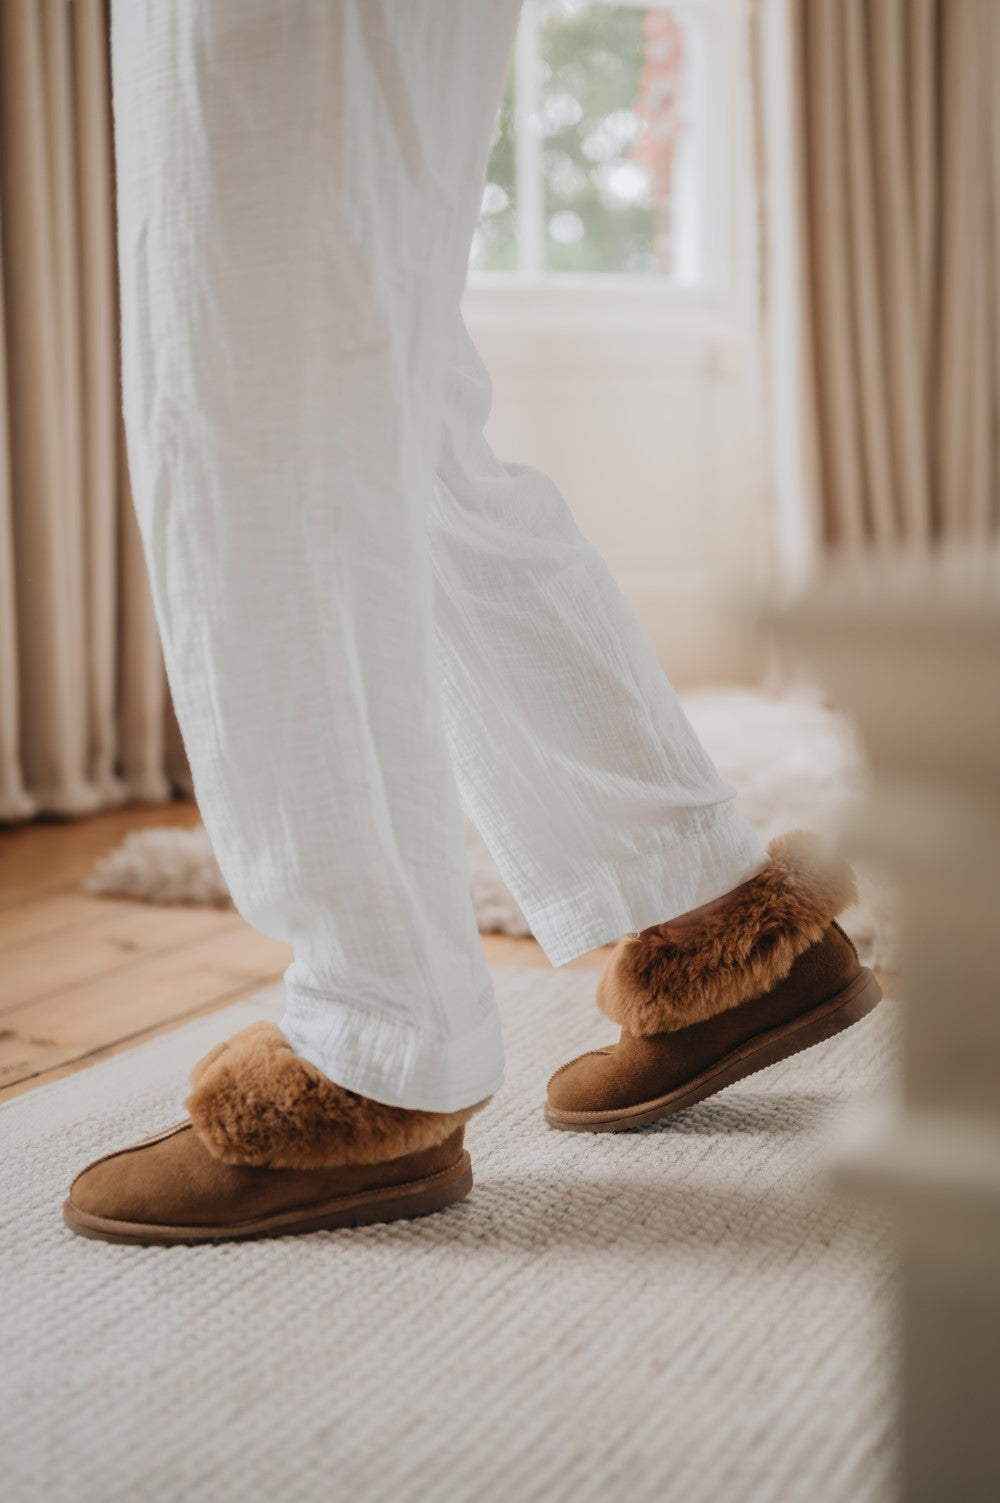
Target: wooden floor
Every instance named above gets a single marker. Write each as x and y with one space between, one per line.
84 977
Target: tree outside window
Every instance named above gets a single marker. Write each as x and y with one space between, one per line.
595 116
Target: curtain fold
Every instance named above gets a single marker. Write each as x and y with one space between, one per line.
893 209
84 709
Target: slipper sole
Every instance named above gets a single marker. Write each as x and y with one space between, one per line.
848 1006
417 1197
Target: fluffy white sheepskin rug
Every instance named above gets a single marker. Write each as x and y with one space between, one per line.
792 761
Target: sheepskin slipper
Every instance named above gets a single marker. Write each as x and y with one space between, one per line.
272 1147
703 1005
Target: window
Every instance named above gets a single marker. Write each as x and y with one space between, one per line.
601 146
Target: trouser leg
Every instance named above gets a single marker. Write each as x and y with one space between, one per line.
573 756
297 189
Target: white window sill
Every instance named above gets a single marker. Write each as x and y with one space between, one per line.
638 320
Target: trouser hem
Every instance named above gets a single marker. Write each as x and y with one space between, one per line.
390 1060
710 851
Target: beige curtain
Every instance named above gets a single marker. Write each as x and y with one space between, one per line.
84 712
888 251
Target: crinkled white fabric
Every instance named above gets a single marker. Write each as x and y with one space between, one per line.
366 616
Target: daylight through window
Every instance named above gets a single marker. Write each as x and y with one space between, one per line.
594 164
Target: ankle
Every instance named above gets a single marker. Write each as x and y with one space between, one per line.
695 915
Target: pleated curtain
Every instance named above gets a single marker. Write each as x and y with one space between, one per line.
891 260
85 720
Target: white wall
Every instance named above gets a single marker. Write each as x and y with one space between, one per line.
648 419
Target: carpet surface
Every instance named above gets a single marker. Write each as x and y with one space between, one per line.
793 762
679 1313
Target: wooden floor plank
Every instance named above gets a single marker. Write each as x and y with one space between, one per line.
39 917
70 1025
117 936
60 1072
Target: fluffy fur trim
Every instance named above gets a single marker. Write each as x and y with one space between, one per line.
257 1102
668 978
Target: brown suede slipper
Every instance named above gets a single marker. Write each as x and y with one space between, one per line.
273 1147
703 1006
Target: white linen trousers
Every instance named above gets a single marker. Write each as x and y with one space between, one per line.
369 620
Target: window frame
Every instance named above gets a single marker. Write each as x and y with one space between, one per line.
570 300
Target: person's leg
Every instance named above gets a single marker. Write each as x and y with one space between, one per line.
297 189
298 185
572 753
604 812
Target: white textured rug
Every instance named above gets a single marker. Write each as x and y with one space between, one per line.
675 1315
792 761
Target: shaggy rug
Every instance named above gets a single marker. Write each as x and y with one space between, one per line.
792 761
674 1315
